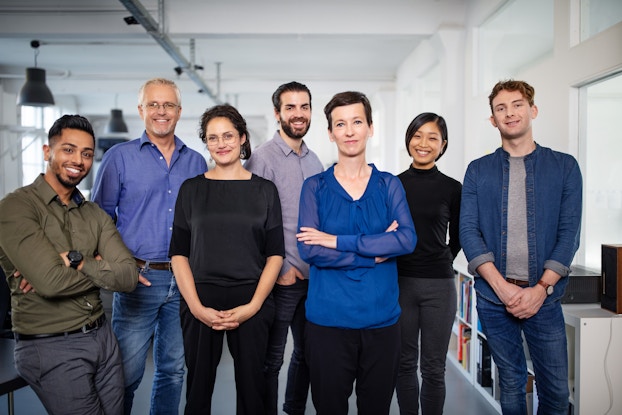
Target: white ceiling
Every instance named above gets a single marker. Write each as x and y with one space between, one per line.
97 61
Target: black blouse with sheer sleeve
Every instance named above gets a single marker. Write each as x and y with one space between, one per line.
227 228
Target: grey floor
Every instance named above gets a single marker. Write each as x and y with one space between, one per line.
462 398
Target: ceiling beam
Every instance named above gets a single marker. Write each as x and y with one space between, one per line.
142 16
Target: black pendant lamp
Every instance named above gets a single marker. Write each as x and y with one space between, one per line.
35 93
116 124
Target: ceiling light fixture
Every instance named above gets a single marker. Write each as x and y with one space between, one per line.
116 124
35 93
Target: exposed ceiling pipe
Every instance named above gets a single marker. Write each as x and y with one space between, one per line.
143 17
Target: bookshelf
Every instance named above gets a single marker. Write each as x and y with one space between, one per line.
594 340
468 348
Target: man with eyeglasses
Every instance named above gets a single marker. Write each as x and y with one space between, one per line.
287 161
137 185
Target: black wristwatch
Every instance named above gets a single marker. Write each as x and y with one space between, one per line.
75 258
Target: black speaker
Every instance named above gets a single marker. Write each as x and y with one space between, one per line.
611 298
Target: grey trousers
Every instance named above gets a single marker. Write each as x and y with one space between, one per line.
428 311
77 374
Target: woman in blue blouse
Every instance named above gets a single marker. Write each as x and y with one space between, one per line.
354 220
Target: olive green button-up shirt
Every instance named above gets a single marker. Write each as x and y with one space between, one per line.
35 227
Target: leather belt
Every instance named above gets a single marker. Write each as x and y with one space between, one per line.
84 329
161 266
520 283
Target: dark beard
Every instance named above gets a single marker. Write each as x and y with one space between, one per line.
68 183
290 132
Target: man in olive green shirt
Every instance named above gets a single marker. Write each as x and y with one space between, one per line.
58 250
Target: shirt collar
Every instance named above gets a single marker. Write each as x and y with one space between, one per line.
506 155
144 140
286 149
48 194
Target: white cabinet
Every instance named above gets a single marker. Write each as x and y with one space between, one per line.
595 359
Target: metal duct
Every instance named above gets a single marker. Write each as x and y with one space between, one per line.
143 17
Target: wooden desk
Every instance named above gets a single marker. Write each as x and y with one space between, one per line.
9 379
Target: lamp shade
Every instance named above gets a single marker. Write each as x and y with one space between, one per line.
35 93
116 123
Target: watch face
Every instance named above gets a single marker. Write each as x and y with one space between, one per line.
549 290
74 257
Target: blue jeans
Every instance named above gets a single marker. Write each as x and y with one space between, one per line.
289 302
144 314
545 334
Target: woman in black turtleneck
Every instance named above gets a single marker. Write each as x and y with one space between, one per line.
426 277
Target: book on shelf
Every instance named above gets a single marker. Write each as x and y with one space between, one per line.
483 363
466 291
464 345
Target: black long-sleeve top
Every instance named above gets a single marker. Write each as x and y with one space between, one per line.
434 202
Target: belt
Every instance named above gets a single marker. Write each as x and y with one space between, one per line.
520 283
161 266
84 329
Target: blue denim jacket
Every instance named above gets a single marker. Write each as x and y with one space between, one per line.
553 185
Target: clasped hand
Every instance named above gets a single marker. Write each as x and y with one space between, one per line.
227 319
522 302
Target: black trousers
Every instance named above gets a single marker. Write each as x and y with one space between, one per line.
247 344
338 357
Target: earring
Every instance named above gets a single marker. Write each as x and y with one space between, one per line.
242 152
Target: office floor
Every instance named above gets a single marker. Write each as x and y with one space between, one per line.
461 399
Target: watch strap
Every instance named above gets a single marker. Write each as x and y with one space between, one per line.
548 288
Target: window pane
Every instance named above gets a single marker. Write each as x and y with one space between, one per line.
518 35
598 15
603 169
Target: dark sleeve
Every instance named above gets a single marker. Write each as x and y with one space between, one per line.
569 227
180 238
454 219
275 244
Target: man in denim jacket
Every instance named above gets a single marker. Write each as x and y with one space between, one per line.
519 228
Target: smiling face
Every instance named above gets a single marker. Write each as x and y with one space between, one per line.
512 115
223 141
425 146
160 122
350 130
295 114
70 158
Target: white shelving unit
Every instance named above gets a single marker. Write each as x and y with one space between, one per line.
464 351
594 357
